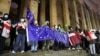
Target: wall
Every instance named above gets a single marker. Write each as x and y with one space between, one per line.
93 5
5 6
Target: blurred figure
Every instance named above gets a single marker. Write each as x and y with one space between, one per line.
21 36
34 43
91 37
70 32
61 45
56 43
78 45
46 43
98 42
13 33
83 38
5 26
2 40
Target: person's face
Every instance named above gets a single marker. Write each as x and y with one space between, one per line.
71 29
56 26
35 22
5 16
22 20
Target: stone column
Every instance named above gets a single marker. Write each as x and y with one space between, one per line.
75 13
23 8
5 6
92 20
66 13
42 11
97 22
94 15
89 21
83 20
53 13
86 18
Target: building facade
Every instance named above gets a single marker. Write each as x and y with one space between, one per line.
65 12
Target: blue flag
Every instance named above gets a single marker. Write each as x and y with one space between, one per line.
50 33
61 37
57 35
45 33
32 33
42 34
30 16
65 39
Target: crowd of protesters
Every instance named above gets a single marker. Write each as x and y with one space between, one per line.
88 40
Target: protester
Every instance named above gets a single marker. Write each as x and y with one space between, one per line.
46 43
5 26
56 43
70 33
77 33
91 38
34 43
13 33
61 45
98 42
21 36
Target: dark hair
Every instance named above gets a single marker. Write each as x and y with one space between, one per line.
80 30
69 27
59 25
77 29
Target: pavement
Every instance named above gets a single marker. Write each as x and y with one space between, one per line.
49 53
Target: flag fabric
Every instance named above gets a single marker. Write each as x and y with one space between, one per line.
42 34
57 35
78 37
65 39
36 33
50 33
74 39
6 29
90 36
32 33
32 30
30 16
46 33
61 37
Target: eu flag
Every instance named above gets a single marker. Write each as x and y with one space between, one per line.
32 33
30 16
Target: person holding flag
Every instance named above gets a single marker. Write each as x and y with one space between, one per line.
71 35
5 26
32 35
46 41
32 31
21 36
56 40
